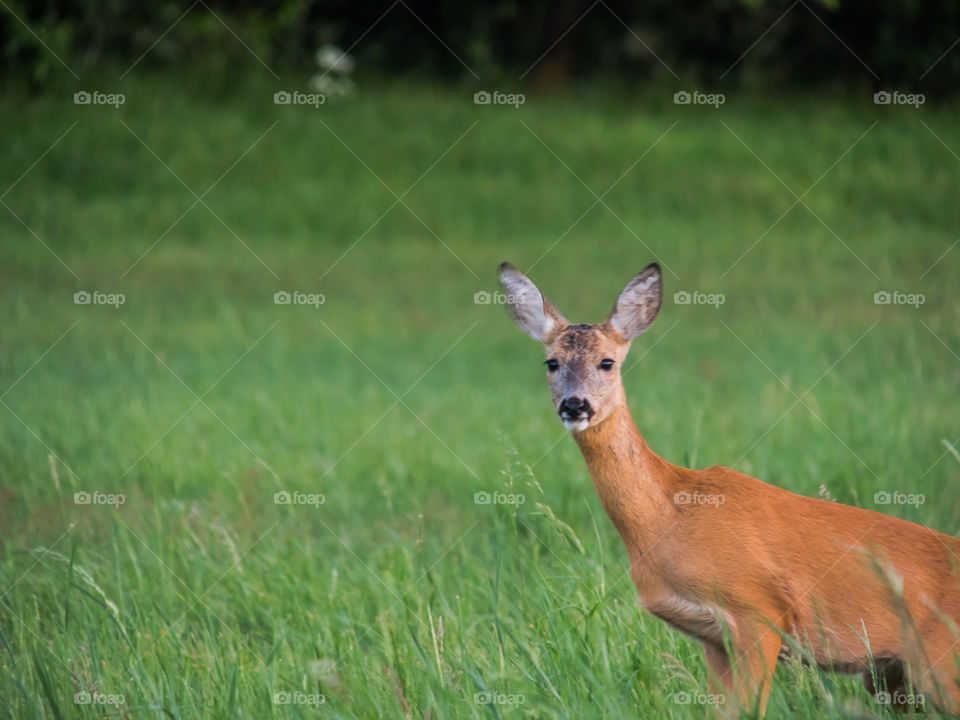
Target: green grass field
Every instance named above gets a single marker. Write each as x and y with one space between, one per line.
389 591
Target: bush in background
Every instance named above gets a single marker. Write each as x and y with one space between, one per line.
756 42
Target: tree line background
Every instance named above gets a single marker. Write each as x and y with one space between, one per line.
882 43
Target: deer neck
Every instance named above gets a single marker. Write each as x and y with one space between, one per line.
631 480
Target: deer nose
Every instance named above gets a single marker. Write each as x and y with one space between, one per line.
574 407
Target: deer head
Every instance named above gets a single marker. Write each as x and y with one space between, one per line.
583 361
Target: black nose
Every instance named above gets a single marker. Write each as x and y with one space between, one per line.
573 408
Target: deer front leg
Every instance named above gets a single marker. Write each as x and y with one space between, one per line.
742 677
719 679
938 681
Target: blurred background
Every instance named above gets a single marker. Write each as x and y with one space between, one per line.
802 43
270 444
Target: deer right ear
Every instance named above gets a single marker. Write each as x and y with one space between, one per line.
533 313
638 304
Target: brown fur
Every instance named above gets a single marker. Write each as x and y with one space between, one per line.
765 569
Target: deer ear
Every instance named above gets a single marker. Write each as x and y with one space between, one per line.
535 315
638 304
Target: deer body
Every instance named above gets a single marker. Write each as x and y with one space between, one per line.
753 571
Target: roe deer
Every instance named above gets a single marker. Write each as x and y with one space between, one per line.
752 571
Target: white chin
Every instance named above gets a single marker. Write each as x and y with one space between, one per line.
577 425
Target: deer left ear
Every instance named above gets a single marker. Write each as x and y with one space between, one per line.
535 315
638 304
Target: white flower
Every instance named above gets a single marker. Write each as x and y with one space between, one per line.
333 59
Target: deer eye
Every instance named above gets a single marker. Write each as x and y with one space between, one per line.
606 364
552 364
